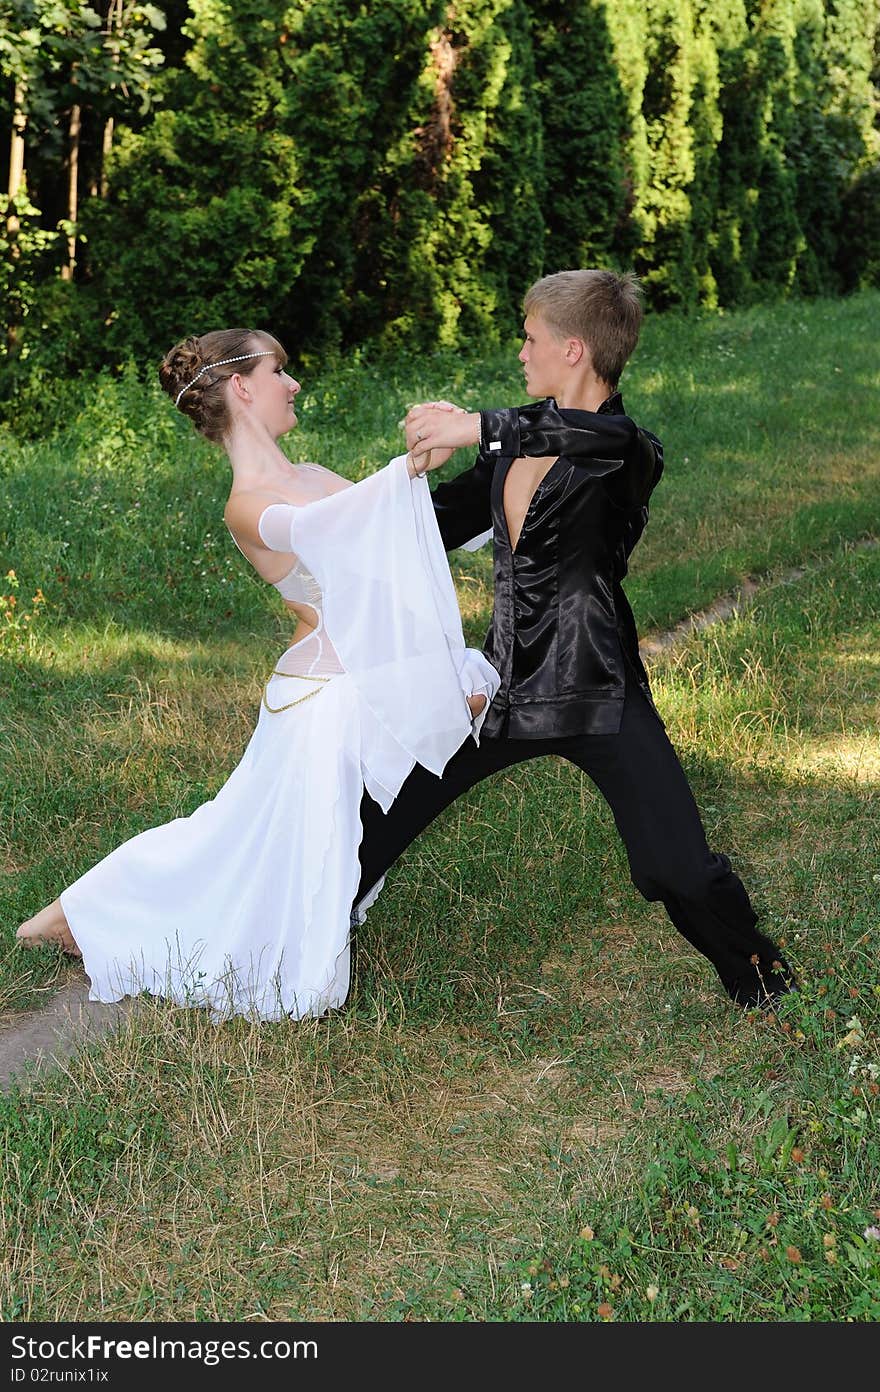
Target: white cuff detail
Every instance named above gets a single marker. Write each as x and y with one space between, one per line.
478 677
275 526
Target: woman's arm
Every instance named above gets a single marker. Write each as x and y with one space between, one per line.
258 518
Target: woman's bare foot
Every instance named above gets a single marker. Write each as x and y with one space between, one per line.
49 926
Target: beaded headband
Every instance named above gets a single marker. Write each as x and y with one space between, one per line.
266 353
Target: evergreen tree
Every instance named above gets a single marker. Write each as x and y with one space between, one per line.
509 180
628 38
665 256
706 125
587 201
778 234
352 75
352 173
850 111
733 242
810 155
212 187
467 182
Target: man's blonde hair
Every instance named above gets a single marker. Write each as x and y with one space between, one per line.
601 307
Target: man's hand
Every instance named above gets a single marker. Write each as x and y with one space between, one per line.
437 428
419 461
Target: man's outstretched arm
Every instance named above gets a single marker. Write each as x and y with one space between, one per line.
541 428
605 445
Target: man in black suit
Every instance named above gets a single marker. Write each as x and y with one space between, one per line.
564 485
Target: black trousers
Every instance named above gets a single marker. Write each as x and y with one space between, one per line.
638 773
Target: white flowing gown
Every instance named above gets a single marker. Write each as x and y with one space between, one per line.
244 907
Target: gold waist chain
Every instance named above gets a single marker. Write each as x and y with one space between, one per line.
293 676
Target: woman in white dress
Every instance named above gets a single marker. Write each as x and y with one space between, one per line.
244 907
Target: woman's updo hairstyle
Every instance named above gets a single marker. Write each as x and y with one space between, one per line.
204 400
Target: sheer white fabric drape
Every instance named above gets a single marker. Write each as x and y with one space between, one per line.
390 611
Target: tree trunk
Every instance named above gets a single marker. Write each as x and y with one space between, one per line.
16 164
114 23
98 184
72 201
106 147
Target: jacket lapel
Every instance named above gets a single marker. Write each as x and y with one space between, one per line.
502 468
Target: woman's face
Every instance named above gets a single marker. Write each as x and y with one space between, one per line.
272 392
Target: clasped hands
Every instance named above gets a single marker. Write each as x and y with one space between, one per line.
435 429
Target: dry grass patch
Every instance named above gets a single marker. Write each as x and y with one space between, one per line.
839 758
304 1171
39 986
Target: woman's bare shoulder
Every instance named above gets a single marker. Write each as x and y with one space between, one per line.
243 503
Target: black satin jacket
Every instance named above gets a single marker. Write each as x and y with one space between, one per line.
562 632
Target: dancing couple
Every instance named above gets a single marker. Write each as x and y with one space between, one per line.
378 716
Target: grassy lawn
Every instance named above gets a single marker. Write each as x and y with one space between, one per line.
539 1106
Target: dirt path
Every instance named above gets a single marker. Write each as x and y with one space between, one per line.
56 1030
52 1033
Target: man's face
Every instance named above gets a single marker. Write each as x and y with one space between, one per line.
543 356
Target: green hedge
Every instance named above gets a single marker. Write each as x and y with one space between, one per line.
356 174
